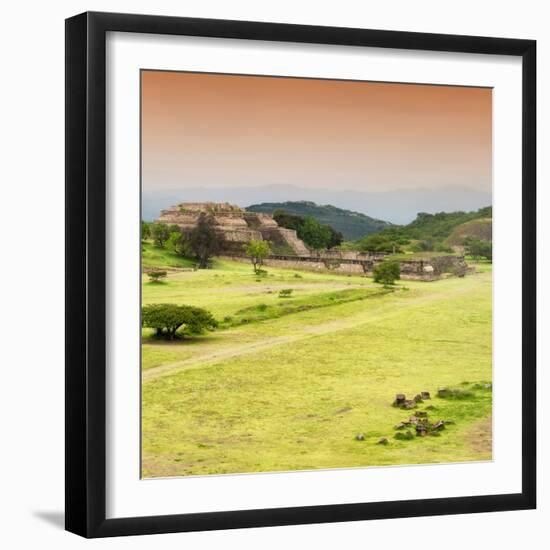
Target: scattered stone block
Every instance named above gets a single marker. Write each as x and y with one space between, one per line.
400 399
440 425
425 395
383 441
421 430
400 426
421 414
360 437
431 408
418 398
443 392
409 404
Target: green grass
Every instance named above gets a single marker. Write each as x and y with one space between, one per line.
289 306
153 256
291 391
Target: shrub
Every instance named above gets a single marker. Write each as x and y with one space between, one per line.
454 393
167 319
387 273
156 274
285 293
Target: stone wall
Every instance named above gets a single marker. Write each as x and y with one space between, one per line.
413 270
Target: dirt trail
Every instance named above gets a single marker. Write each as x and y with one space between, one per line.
480 436
300 333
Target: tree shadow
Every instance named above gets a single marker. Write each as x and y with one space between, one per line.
55 518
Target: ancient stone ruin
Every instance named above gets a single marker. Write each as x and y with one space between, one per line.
235 226
419 423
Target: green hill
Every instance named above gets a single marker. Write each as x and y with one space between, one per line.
429 232
480 229
441 225
352 225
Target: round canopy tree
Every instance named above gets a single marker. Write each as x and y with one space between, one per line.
387 273
167 319
257 251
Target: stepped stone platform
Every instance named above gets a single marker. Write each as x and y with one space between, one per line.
235 225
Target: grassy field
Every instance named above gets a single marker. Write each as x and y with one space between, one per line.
288 383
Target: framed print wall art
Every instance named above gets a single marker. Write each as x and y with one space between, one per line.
300 274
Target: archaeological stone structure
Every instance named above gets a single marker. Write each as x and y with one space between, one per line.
236 226
356 263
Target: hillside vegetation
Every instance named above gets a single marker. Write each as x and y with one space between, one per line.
431 232
352 225
480 229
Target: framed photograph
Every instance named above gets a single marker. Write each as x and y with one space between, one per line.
300 274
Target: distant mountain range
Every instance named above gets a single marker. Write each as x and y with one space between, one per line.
397 206
353 225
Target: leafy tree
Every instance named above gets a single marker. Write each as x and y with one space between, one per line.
478 248
287 220
314 234
167 319
257 251
204 241
160 233
155 275
336 238
178 242
145 231
387 273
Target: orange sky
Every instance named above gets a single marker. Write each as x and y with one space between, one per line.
222 130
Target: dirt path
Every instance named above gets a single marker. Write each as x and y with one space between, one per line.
301 333
480 436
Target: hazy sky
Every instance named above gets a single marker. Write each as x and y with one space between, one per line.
226 131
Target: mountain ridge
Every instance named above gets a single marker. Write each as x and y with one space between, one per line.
398 206
353 225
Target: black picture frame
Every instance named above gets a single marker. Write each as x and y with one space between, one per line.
86 278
